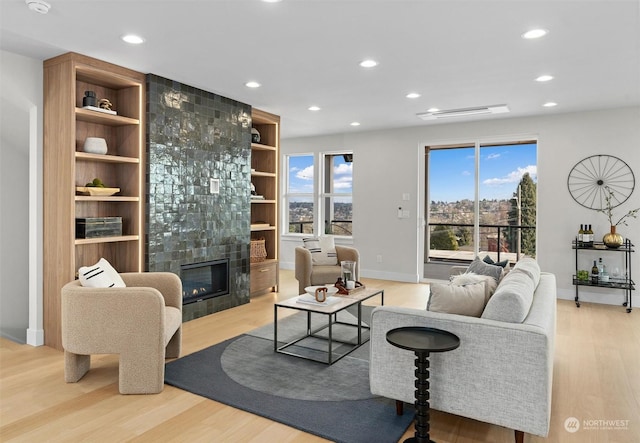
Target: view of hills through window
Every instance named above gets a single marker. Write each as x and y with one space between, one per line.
337 199
506 214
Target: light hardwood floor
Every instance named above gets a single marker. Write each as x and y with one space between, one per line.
596 379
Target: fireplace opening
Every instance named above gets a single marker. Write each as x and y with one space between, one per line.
204 280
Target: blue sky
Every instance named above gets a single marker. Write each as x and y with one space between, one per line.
301 174
451 171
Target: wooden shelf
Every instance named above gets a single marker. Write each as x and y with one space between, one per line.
263 174
265 228
106 158
120 238
86 115
110 198
65 166
261 147
263 201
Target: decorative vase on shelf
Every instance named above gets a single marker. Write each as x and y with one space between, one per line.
612 240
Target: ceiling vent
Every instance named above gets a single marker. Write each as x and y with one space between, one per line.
480 110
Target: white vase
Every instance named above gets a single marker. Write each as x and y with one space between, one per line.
95 145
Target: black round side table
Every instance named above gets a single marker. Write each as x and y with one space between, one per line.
422 341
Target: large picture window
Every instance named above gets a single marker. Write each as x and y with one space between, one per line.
481 201
318 194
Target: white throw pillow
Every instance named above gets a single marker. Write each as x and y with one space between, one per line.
100 275
462 300
490 284
323 250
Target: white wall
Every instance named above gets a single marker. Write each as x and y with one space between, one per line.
21 198
389 163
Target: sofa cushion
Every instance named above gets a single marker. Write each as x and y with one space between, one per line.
477 266
512 300
471 277
323 250
100 275
454 299
529 266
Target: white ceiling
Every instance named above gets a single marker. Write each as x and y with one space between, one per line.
455 53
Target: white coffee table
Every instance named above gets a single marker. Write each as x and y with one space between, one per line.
338 303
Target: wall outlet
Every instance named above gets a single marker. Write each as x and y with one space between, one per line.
405 213
379 258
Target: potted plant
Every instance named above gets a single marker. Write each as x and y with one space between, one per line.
613 239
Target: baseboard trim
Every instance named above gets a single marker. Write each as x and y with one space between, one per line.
35 337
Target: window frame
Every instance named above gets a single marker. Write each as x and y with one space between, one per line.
319 197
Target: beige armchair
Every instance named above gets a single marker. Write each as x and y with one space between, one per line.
142 323
309 274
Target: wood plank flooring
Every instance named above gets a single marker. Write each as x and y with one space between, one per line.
596 380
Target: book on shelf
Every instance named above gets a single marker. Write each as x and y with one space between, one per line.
105 111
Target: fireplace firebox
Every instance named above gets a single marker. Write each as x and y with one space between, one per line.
204 280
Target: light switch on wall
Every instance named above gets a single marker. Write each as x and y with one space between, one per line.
214 186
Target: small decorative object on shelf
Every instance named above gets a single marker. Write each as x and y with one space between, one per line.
105 103
95 145
613 239
255 136
89 98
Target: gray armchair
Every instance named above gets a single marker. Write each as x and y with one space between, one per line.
142 323
309 274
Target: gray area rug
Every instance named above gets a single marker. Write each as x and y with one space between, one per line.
333 402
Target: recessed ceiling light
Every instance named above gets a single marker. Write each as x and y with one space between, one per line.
314 108
368 63
544 78
535 33
413 95
550 104
133 39
38 6
252 84
271 1
355 123
432 110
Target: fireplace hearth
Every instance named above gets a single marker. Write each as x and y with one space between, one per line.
204 280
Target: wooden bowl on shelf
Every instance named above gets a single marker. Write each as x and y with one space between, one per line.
96 191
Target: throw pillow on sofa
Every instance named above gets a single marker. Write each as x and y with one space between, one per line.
323 250
100 275
453 299
490 284
477 266
488 260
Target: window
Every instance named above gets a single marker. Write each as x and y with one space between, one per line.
482 201
319 206
300 194
337 194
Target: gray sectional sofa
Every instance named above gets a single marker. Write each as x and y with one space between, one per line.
503 370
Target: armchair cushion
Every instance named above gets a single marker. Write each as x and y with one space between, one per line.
100 275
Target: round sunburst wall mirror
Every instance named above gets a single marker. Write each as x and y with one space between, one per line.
595 178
